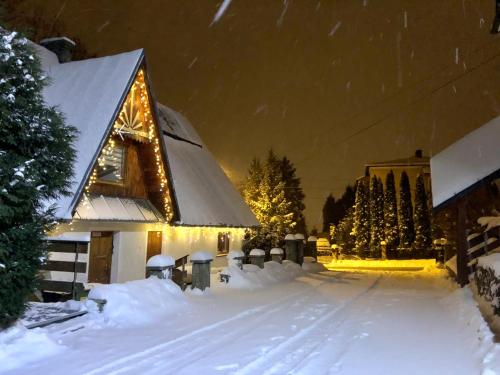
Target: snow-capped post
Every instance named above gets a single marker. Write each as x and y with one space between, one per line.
312 248
201 270
291 248
257 257
160 266
235 258
299 237
383 249
277 254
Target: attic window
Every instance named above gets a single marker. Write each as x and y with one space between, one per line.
110 167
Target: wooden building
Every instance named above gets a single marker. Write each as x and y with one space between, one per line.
465 186
144 182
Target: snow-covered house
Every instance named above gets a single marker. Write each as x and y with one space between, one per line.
465 186
144 181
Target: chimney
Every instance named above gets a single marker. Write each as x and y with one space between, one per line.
418 153
61 46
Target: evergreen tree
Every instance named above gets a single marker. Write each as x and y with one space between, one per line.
294 194
391 230
362 218
251 187
423 239
344 236
406 227
376 216
264 192
328 213
35 167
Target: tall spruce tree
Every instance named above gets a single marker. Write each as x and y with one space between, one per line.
264 192
376 216
362 218
391 230
36 159
406 227
294 194
423 239
328 212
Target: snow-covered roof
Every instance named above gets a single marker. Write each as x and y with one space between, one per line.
205 195
89 94
466 162
99 207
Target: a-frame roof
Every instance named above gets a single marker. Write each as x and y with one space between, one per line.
205 195
469 161
89 93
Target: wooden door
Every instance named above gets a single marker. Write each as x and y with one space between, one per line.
101 251
154 244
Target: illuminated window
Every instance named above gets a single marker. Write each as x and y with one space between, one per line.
110 167
223 242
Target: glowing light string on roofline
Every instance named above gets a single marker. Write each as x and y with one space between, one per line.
129 124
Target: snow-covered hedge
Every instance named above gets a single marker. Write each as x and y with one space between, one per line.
487 280
139 302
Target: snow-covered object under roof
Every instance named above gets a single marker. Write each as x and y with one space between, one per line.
99 207
205 195
465 162
89 94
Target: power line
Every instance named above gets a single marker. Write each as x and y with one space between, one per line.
427 94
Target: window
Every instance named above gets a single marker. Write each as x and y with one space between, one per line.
223 242
110 167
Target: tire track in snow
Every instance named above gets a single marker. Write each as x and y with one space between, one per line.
261 364
146 354
195 350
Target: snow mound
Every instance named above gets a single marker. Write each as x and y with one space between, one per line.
252 277
312 239
299 236
257 252
290 237
160 261
201 256
311 265
19 346
139 302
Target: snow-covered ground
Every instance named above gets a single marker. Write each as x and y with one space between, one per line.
318 323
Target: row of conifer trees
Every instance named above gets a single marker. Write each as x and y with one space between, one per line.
378 217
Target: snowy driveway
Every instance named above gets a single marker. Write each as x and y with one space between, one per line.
329 323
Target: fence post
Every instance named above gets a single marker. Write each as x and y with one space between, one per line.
277 255
257 257
312 247
299 237
160 266
291 248
201 269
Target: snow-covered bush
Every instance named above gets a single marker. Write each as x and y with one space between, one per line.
36 160
487 280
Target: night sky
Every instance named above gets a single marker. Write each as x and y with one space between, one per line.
331 84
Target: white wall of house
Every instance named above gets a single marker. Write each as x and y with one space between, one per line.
129 256
130 245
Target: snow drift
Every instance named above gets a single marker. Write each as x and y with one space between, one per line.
139 302
15 340
251 276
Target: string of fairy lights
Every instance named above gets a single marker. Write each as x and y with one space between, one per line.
121 129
